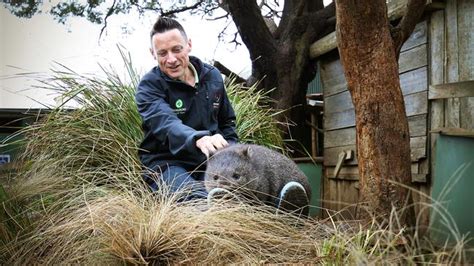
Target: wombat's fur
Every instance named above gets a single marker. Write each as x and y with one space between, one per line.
255 169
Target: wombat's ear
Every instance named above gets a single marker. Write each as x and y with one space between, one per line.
247 152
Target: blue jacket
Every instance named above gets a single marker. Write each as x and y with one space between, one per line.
175 115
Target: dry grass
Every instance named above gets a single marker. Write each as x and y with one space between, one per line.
142 228
156 229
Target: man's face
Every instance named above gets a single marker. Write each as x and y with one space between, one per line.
171 51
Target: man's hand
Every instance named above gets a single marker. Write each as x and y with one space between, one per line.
210 144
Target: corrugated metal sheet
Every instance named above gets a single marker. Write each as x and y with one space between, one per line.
315 86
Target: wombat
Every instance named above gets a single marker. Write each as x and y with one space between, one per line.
254 169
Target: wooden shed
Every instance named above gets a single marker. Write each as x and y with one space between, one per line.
436 69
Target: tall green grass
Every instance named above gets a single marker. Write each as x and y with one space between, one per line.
255 119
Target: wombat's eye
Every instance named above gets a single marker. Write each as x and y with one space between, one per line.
236 176
216 177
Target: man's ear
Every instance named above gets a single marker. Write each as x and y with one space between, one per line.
152 53
190 44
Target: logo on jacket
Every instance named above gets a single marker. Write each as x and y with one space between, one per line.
179 103
180 109
216 102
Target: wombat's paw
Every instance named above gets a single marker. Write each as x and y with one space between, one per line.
293 199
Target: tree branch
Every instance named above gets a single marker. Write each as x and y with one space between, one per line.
271 11
235 39
286 15
228 73
407 24
141 9
272 27
253 30
328 13
226 16
223 4
312 22
181 9
293 9
323 20
109 13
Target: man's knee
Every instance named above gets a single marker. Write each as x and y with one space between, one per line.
176 179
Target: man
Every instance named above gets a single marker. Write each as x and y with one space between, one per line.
185 111
186 115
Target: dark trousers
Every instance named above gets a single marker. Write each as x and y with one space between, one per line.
179 180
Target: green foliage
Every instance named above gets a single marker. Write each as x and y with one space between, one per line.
65 9
255 120
100 136
23 9
97 11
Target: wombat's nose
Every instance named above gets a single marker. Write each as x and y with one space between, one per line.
216 177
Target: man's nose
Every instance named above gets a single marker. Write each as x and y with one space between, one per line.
171 58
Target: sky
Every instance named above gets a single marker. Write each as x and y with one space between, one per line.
34 45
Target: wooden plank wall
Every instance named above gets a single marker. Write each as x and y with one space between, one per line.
451 63
458 64
440 51
339 120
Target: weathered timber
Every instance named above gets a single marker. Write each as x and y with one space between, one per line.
454 131
452 90
331 155
416 104
413 58
340 197
418 148
347 136
418 125
417 37
339 116
414 81
466 59
337 120
396 9
332 76
452 112
351 172
437 55
341 137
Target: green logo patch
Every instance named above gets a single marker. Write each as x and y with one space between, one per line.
179 103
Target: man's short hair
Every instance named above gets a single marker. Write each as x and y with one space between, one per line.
163 24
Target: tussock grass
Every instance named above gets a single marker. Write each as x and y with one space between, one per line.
255 119
156 229
135 230
79 199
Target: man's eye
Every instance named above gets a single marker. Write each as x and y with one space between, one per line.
177 50
162 54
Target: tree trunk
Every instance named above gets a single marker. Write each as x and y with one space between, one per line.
280 58
369 58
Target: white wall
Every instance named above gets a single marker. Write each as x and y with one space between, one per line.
33 45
